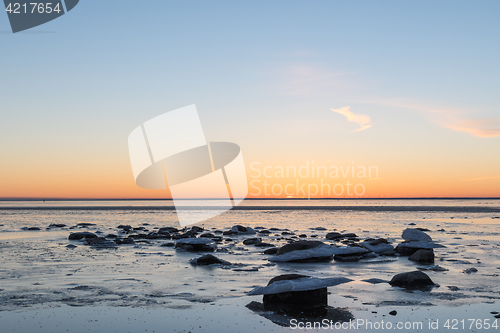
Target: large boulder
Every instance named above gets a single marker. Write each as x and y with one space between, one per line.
309 301
422 255
411 280
408 248
410 234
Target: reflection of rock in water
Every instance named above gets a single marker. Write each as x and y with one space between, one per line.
333 315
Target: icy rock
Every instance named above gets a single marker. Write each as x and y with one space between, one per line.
378 246
410 234
294 293
410 280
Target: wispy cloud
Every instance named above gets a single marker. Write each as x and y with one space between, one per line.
362 120
454 118
482 178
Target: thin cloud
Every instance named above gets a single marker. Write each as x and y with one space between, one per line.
482 178
455 119
362 120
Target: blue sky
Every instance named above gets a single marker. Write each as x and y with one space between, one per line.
262 74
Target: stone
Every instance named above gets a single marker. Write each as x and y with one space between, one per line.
411 280
208 259
271 250
57 225
197 229
422 255
410 234
125 227
470 270
251 241
168 244
300 245
393 313
170 230
294 302
333 235
80 235
196 244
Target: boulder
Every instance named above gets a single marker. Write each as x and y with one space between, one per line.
242 230
410 234
408 248
81 235
411 280
309 301
208 259
422 255
295 294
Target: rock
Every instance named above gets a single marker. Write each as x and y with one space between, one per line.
350 235
374 281
207 235
410 234
319 228
57 225
333 235
229 232
297 294
310 301
422 255
411 280
197 229
208 259
298 246
262 244
393 313
71 246
379 246
100 243
251 241
470 270
33 229
435 268
264 232
343 257
196 244
303 236
125 227
422 229
85 225
80 235
453 288
271 250
242 230
408 248
168 230
168 244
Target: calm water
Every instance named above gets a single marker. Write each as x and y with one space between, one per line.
38 270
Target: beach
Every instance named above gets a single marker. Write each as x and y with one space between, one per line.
49 283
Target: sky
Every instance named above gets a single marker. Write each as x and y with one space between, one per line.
409 89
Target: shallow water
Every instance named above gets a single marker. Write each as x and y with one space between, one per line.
39 274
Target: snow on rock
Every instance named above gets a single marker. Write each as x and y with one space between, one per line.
321 251
302 284
410 234
378 248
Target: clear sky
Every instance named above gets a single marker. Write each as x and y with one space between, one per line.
419 82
